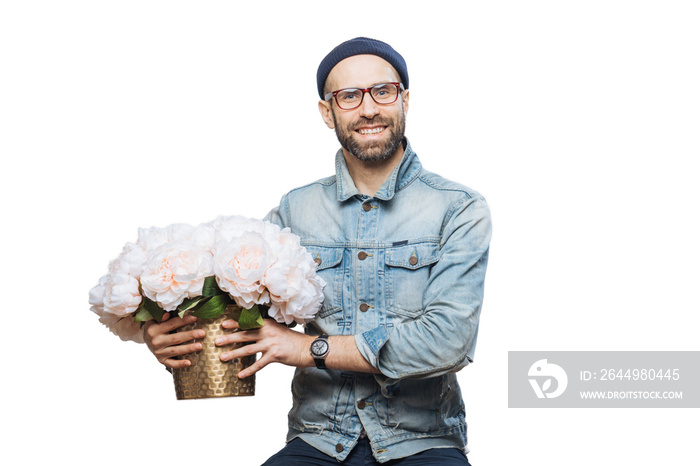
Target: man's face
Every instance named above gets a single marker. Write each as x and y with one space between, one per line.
370 132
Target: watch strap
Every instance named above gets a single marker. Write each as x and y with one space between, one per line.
320 363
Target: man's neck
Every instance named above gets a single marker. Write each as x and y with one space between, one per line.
369 176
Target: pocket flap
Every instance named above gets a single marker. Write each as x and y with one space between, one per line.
412 256
325 257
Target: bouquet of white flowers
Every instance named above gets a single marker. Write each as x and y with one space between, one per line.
200 270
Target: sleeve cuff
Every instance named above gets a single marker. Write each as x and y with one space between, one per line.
369 343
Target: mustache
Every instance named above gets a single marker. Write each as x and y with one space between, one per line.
374 121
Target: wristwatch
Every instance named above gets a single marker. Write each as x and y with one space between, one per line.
319 351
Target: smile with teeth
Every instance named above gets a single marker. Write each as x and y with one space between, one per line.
371 130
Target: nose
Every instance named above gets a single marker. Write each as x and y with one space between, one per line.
368 108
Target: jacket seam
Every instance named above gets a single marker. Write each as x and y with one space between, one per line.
408 182
449 215
370 244
325 182
460 189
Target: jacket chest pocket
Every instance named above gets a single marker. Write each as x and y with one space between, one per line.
329 267
407 272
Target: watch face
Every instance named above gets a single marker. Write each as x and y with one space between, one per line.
319 348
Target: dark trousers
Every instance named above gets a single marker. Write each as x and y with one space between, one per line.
298 452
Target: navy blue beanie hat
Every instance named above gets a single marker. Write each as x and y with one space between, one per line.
360 46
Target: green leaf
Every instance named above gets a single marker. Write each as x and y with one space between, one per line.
250 318
189 303
211 288
235 313
213 308
142 314
153 308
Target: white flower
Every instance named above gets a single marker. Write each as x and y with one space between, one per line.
254 261
240 265
180 232
150 238
301 307
257 262
154 237
97 295
296 292
204 236
175 271
119 292
125 328
235 226
130 261
116 290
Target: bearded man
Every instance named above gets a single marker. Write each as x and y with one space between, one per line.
403 253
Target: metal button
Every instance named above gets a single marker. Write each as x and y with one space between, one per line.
361 404
339 448
318 261
413 260
364 307
367 206
362 255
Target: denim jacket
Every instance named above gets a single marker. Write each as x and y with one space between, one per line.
404 273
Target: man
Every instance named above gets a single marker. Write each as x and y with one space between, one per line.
403 252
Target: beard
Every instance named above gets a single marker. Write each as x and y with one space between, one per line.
372 151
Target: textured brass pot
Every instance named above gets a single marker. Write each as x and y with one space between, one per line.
208 376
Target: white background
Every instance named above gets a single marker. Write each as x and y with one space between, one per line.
577 120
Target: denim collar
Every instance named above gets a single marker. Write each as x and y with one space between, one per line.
408 170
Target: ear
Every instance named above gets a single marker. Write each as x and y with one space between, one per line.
404 99
324 107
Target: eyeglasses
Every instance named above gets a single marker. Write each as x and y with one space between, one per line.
352 97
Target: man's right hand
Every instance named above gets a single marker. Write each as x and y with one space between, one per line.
166 346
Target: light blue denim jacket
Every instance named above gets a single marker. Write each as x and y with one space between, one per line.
405 275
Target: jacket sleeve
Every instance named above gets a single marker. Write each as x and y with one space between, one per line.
278 215
442 339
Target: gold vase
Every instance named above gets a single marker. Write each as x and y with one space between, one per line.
208 376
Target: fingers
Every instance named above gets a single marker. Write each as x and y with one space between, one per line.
177 363
238 337
275 342
230 324
167 346
154 329
253 368
170 324
167 356
243 351
152 323
247 350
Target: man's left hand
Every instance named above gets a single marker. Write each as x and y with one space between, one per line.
276 342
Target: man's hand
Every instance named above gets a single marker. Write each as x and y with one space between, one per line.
166 346
276 342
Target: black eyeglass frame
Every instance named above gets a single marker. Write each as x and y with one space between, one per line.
334 94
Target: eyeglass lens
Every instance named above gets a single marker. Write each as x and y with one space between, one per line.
381 93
